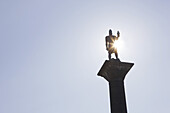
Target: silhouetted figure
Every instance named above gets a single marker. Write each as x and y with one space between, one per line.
110 44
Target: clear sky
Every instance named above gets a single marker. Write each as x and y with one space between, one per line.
51 51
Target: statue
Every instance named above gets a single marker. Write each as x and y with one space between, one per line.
110 44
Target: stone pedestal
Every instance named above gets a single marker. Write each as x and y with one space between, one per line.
114 71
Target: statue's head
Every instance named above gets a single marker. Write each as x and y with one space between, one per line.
110 32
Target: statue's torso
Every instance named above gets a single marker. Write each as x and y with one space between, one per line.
110 39
110 42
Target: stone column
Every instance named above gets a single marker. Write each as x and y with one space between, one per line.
114 71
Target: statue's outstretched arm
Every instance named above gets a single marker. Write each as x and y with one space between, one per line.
107 43
118 34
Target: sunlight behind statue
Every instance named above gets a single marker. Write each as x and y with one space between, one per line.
110 44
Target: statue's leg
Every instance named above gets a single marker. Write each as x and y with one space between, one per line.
116 54
109 55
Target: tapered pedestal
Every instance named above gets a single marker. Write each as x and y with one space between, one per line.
114 71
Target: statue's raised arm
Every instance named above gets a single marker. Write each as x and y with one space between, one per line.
118 34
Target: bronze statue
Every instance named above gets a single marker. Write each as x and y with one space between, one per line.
110 44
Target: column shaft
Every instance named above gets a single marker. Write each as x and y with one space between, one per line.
117 97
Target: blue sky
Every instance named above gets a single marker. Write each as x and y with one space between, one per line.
51 51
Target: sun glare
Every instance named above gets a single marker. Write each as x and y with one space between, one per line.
118 44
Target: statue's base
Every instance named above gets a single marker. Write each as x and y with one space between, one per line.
114 71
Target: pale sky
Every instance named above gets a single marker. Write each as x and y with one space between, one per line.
51 51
